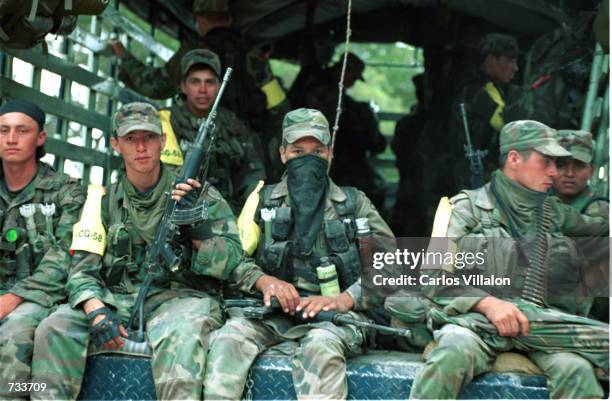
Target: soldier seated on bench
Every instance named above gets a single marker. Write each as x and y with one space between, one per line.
182 307
472 325
304 218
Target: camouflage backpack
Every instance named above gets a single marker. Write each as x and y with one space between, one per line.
556 76
25 23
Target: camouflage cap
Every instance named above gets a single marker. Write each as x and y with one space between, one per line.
301 123
528 134
499 44
137 116
205 6
578 143
200 56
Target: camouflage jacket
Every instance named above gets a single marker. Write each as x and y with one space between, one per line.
236 164
304 269
477 224
594 208
120 270
38 273
242 95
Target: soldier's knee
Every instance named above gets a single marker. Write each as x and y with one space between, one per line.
578 368
318 339
456 346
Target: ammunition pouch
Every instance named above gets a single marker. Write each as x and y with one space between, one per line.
275 256
343 252
282 223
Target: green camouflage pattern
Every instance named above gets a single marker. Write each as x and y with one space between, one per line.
529 134
136 116
579 143
302 123
200 56
467 343
243 94
236 164
318 366
179 346
40 282
499 44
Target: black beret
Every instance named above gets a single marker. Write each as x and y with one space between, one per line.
25 107
30 109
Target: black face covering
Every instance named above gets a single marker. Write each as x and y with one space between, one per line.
307 182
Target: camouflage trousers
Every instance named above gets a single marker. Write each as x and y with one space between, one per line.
177 331
318 366
565 347
16 346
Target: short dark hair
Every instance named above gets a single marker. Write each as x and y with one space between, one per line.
525 154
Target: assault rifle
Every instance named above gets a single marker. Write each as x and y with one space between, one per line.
160 255
474 156
255 309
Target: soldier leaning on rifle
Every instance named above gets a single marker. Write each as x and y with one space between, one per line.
304 218
105 278
38 207
473 325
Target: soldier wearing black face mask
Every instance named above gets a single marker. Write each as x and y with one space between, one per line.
294 224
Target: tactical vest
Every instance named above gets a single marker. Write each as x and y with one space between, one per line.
24 24
505 256
339 242
19 259
126 251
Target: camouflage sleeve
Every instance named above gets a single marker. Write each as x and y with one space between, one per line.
384 242
46 285
250 169
221 256
153 82
84 280
589 233
455 299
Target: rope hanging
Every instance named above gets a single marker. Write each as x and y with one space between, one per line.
341 82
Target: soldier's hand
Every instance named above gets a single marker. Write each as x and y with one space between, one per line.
8 303
287 295
505 316
180 190
315 304
93 304
117 48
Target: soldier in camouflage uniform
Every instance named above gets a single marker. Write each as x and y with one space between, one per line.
235 164
472 326
38 207
103 282
306 223
484 94
571 186
254 94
